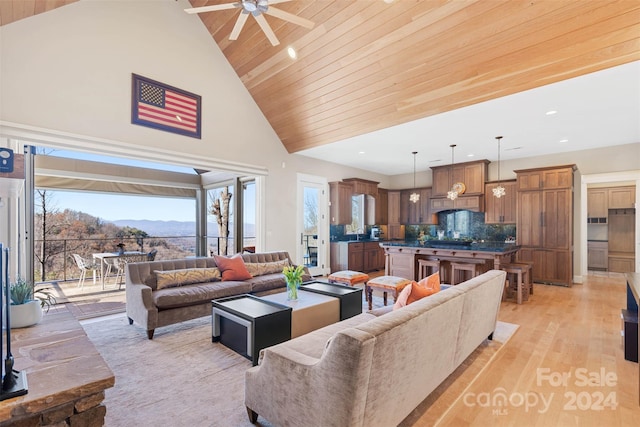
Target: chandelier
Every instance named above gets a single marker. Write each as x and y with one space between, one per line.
499 191
453 193
414 197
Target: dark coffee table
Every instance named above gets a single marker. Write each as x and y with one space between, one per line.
350 297
247 324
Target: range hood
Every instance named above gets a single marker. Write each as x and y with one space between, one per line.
467 203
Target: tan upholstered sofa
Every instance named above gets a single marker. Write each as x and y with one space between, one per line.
375 368
152 307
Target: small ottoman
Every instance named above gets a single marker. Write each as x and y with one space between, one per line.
385 284
349 278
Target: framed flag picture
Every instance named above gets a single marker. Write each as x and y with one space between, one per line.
159 106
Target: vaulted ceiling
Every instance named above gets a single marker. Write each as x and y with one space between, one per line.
371 64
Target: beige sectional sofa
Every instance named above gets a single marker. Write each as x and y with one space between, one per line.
152 307
375 368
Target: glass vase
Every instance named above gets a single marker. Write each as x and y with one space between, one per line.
292 290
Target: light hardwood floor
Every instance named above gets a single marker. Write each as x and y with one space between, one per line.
571 332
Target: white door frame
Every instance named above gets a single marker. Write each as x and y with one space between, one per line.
323 267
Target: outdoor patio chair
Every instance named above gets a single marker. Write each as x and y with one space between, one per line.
85 266
152 255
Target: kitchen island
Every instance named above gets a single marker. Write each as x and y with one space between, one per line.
401 257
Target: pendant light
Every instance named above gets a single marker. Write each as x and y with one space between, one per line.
414 197
499 191
453 193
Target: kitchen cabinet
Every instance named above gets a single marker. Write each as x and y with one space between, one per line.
470 203
597 202
551 177
393 198
621 264
416 213
500 210
472 174
340 198
597 255
356 256
621 197
382 207
362 186
544 222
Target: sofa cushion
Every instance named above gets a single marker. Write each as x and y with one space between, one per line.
262 268
171 278
267 282
183 296
232 268
401 301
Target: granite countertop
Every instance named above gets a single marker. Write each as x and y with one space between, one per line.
457 245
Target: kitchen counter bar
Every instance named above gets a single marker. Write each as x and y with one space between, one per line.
402 257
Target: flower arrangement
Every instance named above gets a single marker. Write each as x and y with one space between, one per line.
293 276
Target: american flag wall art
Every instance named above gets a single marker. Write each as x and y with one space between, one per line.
159 106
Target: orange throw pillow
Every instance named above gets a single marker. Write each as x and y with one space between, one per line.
232 268
425 287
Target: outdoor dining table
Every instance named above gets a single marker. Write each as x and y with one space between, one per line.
104 258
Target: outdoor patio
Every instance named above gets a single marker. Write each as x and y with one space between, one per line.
90 300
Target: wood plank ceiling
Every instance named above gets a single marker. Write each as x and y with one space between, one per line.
371 64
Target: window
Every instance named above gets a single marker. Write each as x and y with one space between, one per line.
357 215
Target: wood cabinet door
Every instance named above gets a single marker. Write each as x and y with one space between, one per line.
401 265
356 256
557 178
528 181
340 197
474 177
556 220
621 230
621 197
529 230
393 198
426 217
408 209
382 207
597 203
441 181
597 255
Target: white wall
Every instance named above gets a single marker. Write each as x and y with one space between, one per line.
65 77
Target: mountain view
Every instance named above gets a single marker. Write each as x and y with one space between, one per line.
174 228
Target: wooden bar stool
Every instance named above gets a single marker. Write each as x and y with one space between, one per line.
385 284
426 267
529 267
473 266
520 281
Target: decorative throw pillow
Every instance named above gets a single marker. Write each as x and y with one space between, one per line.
232 268
425 287
172 278
401 301
260 268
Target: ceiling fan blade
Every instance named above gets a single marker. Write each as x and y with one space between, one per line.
267 29
211 8
278 1
239 25
290 17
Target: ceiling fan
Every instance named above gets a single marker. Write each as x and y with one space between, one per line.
256 8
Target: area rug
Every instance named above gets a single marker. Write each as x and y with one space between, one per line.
181 378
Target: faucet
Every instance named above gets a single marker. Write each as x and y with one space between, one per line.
358 231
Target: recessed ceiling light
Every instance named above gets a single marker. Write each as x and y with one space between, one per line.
564 140
360 152
470 155
551 112
292 52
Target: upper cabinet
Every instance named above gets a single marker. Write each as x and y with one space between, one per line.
471 174
500 210
545 178
393 198
621 197
597 203
340 197
363 186
382 207
419 212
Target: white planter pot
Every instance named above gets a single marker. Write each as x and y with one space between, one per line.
24 315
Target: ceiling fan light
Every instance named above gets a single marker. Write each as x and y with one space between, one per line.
249 5
292 52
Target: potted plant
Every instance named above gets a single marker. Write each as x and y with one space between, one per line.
293 276
27 303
